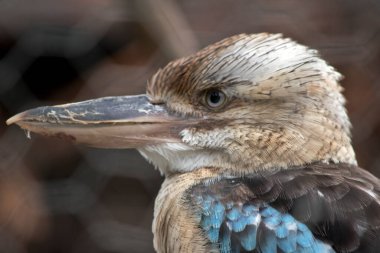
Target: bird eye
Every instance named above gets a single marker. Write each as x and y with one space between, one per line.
215 98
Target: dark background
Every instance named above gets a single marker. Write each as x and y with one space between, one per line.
56 197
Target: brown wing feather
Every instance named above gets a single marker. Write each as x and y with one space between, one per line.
340 203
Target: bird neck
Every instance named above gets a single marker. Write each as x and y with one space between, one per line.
179 236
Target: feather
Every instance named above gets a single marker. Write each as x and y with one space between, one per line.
313 208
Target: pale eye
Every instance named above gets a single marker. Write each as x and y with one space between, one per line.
215 98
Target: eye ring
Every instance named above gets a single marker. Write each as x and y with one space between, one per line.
215 98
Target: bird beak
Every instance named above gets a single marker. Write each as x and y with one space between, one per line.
110 122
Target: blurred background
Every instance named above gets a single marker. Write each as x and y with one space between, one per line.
56 197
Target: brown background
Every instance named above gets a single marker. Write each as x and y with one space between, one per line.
56 197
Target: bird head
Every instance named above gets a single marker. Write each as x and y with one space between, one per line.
244 104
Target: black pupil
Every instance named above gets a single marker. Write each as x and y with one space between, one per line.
214 97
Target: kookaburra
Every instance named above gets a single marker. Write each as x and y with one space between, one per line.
252 136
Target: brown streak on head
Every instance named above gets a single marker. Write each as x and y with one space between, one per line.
180 76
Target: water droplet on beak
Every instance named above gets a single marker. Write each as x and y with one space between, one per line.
27 133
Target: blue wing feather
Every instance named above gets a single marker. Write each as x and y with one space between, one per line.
236 226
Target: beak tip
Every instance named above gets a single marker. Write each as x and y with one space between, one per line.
15 119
